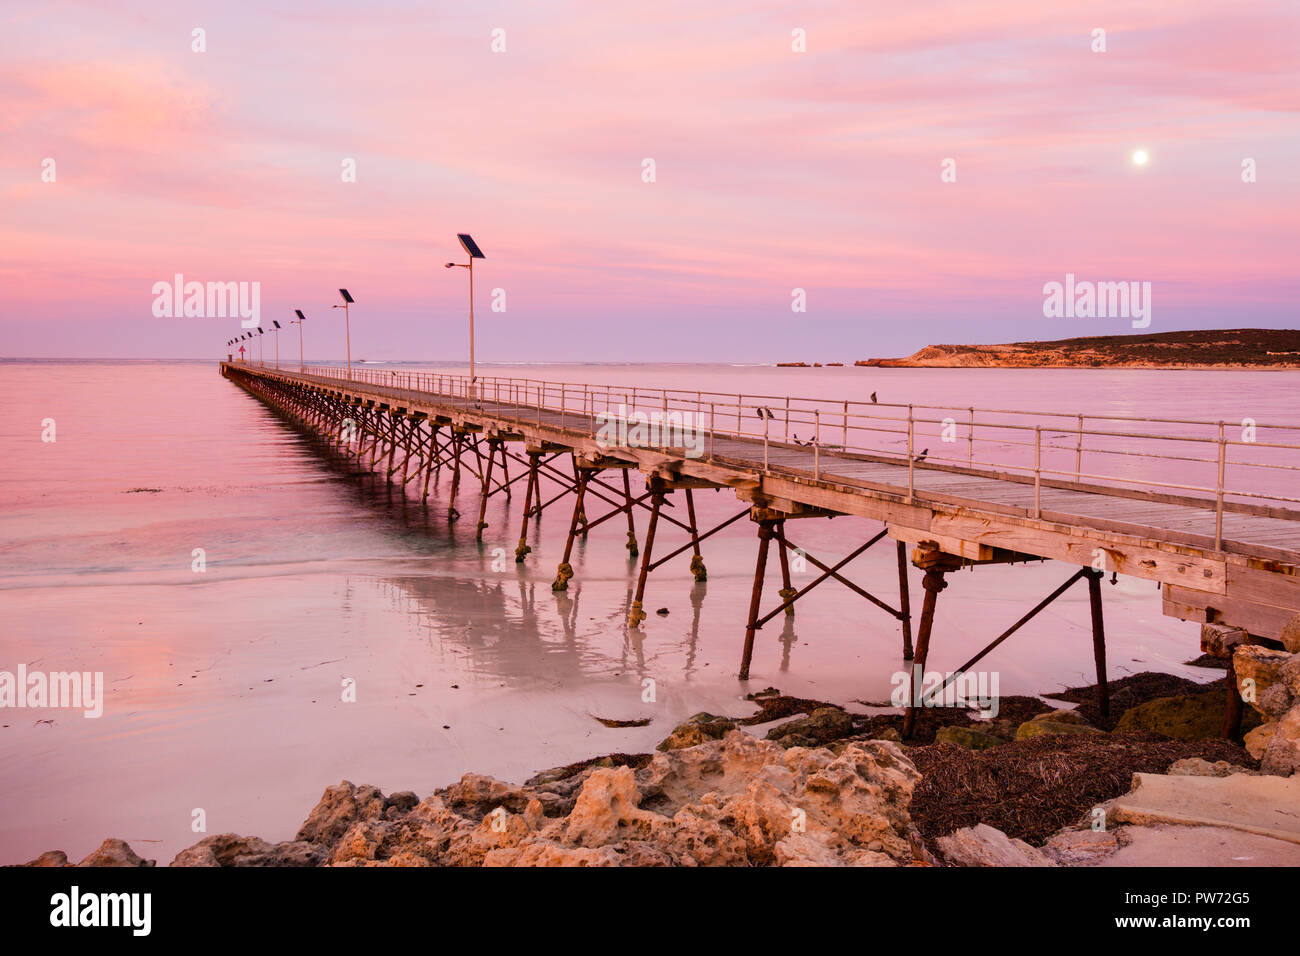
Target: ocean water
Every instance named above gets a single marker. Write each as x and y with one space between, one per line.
223 688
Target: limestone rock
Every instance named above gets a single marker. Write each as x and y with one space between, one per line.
114 852
1184 717
697 730
1282 755
982 845
821 726
1199 767
968 737
1081 847
484 794
339 808
1289 674
1275 701
231 849
1291 635
1262 665
50 858
1036 728
1062 717
1256 742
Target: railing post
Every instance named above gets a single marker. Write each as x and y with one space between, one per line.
1218 508
1038 469
845 446
740 405
712 430
663 423
765 430
970 440
562 403
817 443
1078 451
911 476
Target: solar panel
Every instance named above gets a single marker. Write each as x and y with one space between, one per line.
275 323
301 317
470 245
347 296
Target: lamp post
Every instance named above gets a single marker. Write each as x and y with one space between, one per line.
277 342
298 322
474 252
347 301
261 350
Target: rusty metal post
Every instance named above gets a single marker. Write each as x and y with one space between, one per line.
1098 640
522 549
487 489
933 582
1232 712
632 549
756 596
637 614
904 601
565 571
787 589
697 562
457 443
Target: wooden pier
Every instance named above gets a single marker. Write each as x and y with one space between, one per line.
1206 509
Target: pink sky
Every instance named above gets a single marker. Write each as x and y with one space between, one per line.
775 170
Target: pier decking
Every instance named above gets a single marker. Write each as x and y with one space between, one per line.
1210 514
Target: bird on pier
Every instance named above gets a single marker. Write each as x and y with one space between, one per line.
921 457
873 398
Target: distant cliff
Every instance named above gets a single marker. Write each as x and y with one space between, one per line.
1221 348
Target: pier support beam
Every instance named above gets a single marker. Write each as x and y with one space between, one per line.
756 596
637 614
1098 639
565 571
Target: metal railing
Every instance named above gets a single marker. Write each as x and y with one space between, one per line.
1051 449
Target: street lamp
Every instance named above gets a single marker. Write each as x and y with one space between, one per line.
347 301
261 352
277 342
298 322
474 252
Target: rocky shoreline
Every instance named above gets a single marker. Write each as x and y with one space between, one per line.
826 787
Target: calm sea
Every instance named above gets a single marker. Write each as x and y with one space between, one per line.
224 687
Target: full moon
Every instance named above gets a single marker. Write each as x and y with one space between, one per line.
1140 157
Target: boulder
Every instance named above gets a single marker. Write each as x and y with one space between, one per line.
1275 701
1291 635
982 845
339 808
697 730
1081 847
114 852
1256 742
1289 675
1199 767
1037 728
1260 666
50 858
821 726
1282 755
1185 717
968 737
231 849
